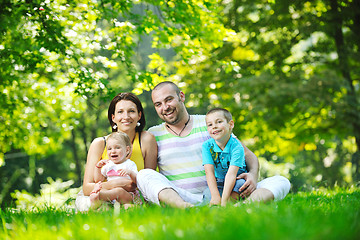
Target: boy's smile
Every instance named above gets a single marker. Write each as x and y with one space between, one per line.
219 128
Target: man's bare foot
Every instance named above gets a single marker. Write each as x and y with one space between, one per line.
170 197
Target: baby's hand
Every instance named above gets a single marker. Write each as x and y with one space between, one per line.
101 163
124 172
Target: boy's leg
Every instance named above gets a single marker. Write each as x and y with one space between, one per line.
235 194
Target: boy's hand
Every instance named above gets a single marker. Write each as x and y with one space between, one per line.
215 200
223 203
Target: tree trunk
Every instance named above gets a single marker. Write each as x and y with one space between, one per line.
352 111
77 160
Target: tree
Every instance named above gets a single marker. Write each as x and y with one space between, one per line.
61 60
296 88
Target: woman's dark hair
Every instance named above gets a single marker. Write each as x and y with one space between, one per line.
129 97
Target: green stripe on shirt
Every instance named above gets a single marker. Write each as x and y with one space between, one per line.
186 175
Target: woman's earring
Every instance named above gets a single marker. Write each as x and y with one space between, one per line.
138 124
115 126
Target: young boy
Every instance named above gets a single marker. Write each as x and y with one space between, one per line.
223 158
118 165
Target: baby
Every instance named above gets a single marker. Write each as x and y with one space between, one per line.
118 165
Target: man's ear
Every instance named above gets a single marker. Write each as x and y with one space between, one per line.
182 96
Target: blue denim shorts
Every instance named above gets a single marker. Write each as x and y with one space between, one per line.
220 185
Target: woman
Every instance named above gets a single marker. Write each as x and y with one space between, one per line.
125 114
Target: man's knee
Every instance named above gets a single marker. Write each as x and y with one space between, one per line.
261 195
279 186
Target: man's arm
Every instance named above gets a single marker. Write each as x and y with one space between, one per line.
251 177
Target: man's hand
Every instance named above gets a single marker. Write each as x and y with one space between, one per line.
249 185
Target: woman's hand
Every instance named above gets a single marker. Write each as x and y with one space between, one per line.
124 183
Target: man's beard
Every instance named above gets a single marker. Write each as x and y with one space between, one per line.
175 120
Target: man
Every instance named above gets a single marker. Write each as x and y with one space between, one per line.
181 179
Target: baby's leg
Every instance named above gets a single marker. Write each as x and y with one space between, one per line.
119 194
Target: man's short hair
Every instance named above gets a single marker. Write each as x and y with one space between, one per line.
174 86
226 113
121 137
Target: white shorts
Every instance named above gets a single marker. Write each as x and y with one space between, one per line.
150 183
278 185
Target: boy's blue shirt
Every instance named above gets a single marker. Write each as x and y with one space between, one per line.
232 155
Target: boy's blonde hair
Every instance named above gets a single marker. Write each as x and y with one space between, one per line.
121 137
226 113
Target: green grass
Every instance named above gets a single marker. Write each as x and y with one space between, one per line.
317 215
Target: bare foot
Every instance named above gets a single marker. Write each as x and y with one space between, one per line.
188 205
95 196
128 205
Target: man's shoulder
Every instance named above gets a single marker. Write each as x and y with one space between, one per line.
156 129
198 117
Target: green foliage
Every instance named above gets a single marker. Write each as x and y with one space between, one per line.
319 214
294 92
61 61
56 194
